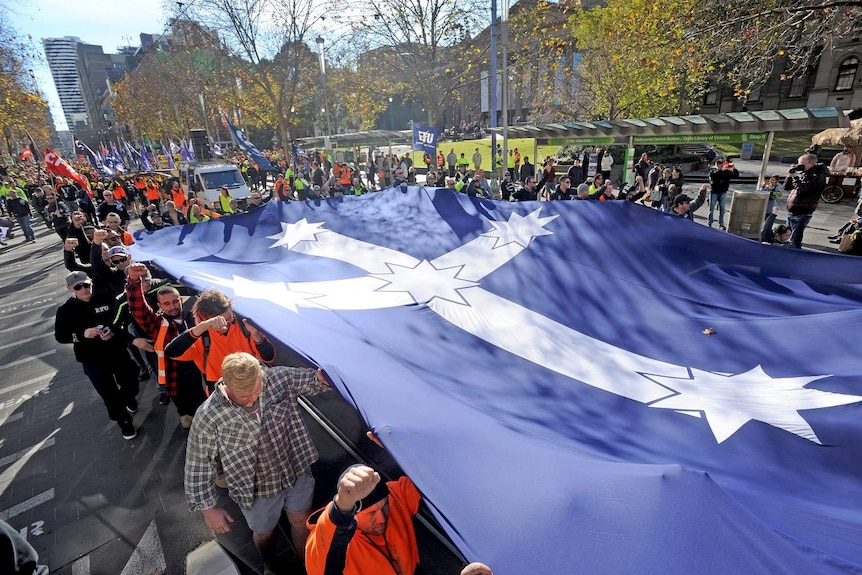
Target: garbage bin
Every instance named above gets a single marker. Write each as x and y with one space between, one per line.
747 212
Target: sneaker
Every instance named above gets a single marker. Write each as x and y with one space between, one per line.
722 228
220 481
132 407
164 399
836 241
186 421
833 237
128 430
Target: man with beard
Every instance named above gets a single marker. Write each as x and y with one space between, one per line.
181 378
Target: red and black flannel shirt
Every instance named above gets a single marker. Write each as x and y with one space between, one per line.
150 322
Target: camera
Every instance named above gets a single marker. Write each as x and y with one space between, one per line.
797 168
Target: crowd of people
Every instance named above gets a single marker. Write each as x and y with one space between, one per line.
128 323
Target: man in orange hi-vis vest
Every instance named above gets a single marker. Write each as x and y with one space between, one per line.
182 378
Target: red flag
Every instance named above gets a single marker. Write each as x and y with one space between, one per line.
25 153
57 165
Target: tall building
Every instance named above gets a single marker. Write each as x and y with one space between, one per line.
62 56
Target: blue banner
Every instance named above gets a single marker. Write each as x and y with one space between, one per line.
425 138
248 148
565 401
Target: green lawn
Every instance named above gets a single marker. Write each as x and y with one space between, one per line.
784 144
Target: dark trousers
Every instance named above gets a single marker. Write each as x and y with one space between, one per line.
117 385
190 395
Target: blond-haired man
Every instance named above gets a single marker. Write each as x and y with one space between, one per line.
251 426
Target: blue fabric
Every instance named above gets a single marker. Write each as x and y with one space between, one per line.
567 399
425 138
248 148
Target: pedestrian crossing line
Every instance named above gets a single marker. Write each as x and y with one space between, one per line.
27 340
4 461
21 326
51 303
27 383
27 505
28 359
17 301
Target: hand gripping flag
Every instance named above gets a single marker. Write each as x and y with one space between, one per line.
57 165
565 401
248 148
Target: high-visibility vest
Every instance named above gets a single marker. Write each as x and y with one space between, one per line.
152 192
225 204
179 199
160 350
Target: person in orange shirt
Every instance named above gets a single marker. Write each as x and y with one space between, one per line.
374 517
152 192
178 196
217 334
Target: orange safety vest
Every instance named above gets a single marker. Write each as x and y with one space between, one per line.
119 192
179 198
160 350
346 177
153 193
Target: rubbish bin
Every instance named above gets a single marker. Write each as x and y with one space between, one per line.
747 212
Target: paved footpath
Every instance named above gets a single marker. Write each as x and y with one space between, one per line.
91 502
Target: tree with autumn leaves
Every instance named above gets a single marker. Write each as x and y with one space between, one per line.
23 109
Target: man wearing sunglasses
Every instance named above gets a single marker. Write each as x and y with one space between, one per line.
84 321
109 259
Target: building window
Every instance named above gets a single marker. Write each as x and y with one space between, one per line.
711 96
754 95
847 74
798 86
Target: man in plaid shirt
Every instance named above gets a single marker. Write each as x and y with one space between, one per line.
182 378
252 424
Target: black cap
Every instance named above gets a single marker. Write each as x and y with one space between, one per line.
681 199
380 491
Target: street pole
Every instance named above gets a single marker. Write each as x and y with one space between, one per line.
505 86
492 108
326 143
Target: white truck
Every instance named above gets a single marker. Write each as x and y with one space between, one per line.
207 178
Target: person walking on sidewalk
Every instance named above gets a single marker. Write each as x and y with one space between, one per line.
719 181
20 208
84 321
182 378
805 182
252 426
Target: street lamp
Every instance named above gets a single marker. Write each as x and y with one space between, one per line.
391 120
320 41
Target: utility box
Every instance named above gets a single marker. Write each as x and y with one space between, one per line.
747 212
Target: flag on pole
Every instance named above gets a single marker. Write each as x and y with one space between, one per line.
695 411
169 157
185 154
145 159
248 148
57 165
34 151
83 151
425 138
25 153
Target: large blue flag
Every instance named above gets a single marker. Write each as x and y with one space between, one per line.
247 147
575 387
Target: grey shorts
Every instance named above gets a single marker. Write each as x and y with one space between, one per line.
265 512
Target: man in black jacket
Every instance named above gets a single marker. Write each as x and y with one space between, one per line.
84 321
719 181
805 182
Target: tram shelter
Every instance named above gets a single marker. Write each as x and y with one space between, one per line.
736 127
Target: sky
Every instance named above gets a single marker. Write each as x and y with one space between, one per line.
108 23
